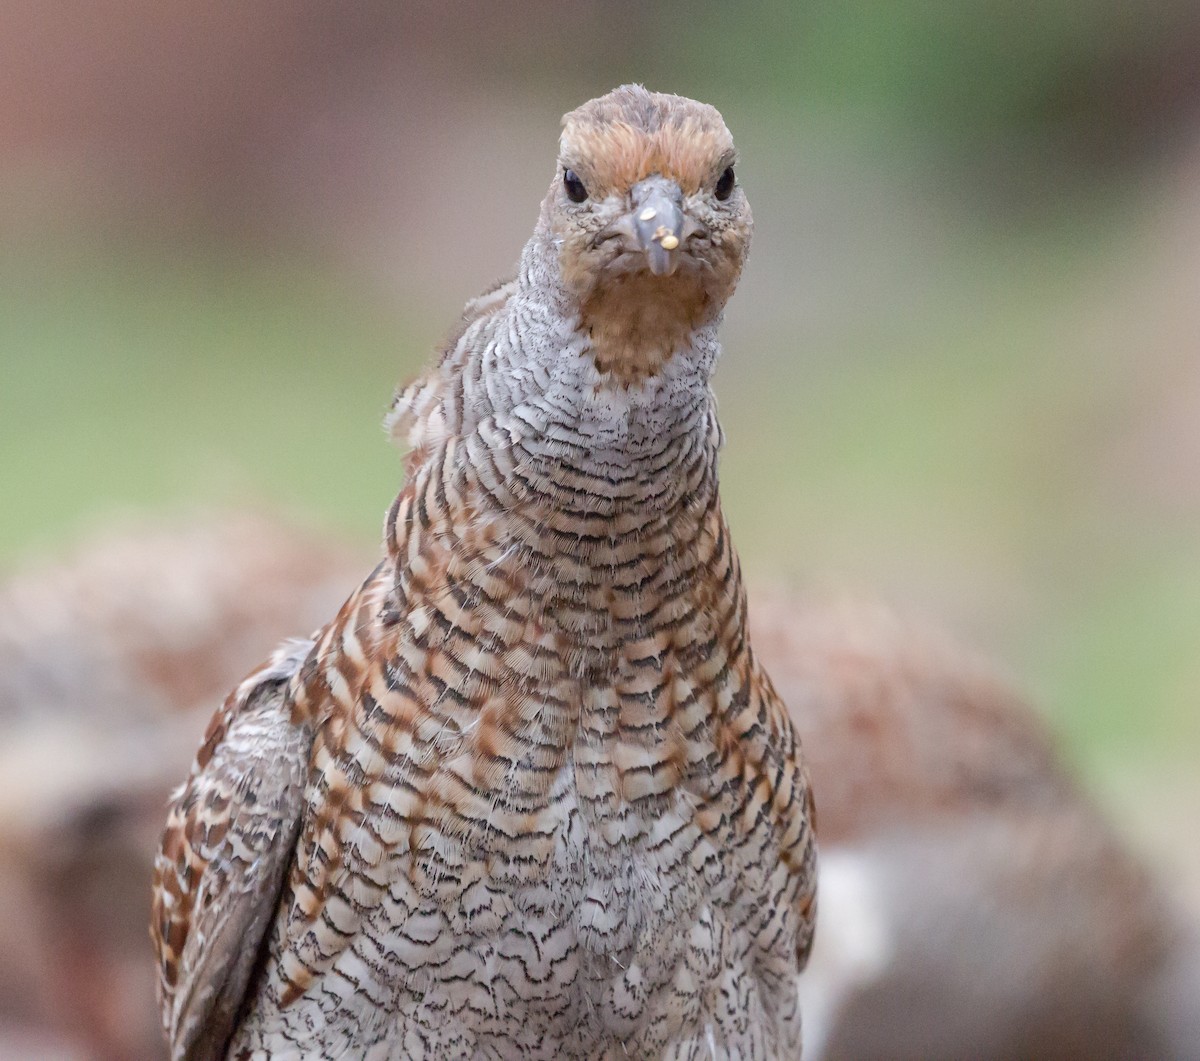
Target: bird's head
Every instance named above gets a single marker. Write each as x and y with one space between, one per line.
650 223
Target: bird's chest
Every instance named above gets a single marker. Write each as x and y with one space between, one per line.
597 924
544 840
602 891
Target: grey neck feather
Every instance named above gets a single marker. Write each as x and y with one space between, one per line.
548 370
521 386
567 418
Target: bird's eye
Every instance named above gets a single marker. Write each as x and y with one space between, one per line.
724 187
576 192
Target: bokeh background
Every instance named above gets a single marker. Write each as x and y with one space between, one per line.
962 371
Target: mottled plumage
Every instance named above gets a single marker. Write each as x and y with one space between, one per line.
530 793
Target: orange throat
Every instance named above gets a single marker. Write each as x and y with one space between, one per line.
637 322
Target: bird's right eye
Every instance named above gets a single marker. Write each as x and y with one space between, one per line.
576 192
724 187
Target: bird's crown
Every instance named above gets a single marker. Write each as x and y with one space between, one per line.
623 137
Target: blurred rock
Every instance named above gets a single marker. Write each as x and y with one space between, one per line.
974 903
160 619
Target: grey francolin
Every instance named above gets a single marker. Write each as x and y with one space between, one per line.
975 902
530 793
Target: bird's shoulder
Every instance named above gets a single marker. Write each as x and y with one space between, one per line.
487 303
420 409
233 825
229 836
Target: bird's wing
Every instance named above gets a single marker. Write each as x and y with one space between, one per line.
228 841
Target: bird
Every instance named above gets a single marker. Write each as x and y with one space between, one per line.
976 902
530 792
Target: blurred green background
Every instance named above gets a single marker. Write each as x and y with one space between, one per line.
963 370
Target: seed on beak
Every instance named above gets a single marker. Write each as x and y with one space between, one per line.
665 238
649 214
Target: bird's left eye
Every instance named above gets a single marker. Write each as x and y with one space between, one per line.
576 192
724 187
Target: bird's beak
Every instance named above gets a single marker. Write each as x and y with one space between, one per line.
658 222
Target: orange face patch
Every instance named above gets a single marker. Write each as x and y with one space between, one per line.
619 139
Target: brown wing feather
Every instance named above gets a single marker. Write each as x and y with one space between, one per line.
228 841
